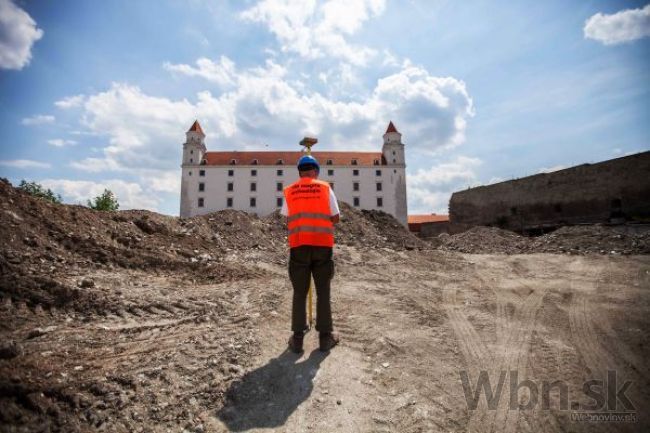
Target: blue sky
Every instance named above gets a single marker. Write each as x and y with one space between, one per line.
99 94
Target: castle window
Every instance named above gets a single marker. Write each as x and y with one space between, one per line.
356 201
253 186
201 172
190 173
229 202
355 186
330 172
253 202
233 162
513 211
201 187
279 172
355 162
231 186
380 202
231 173
378 186
393 160
191 160
253 172
393 152
375 162
328 162
255 162
201 202
278 201
278 186
355 172
191 152
377 172
332 185
203 162
279 162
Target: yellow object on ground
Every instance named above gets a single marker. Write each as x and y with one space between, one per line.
310 302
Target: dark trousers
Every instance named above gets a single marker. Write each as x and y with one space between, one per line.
306 261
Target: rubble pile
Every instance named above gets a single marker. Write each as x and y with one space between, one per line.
43 241
485 240
598 239
583 239
360 228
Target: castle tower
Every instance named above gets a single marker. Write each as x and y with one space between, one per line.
393 153
393 148
193 151
194 146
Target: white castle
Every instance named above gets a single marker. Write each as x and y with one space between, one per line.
254 181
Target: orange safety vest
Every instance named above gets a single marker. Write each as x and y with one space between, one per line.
309 219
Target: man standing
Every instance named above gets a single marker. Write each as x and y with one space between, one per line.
311 210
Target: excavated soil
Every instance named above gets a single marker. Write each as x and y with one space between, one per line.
134 321
581 239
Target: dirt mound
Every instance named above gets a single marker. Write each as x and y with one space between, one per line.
587 239
595 239
42 242
485 240
360 228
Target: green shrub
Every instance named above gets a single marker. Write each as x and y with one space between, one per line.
37 190
106 201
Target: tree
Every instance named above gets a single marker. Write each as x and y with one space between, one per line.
37 190
105 201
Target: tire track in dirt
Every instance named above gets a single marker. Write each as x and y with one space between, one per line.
597 357
517 348
474 350
472 347
514 337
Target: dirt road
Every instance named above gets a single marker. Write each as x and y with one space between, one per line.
165 354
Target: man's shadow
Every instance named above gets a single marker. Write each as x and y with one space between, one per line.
267 396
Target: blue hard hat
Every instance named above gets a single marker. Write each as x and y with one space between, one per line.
307 162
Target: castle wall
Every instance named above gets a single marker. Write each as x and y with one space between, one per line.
587 193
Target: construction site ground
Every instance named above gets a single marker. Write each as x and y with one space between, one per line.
133 321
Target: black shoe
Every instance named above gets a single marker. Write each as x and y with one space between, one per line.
327 341
295 343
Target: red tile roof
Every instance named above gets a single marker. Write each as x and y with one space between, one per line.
291 158
196 127
391 128
428 218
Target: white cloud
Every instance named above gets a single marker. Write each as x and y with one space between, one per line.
429 189
264 107
314 29
60 142
130 195
38 119
551 169
222 72
624 26
166 181
24 163
70 101
18 32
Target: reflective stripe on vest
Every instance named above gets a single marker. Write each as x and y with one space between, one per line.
310 215
309 221
311 229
